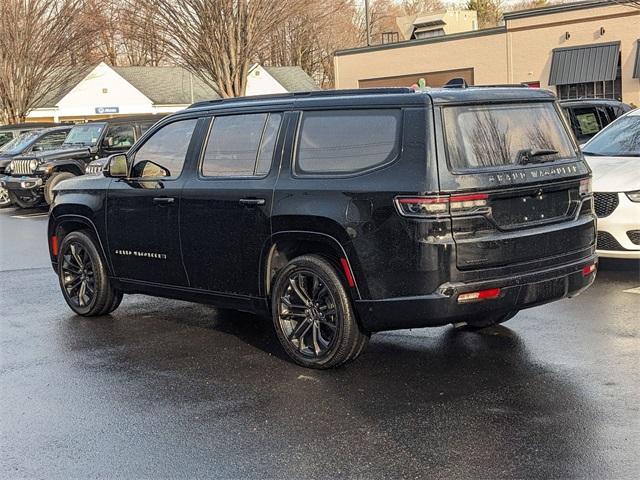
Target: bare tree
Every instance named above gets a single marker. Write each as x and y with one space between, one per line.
489 12
142 41
416 7
218 40
39 41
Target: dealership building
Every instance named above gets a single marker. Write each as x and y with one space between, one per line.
583 49
103 91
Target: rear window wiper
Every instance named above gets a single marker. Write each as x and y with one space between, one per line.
533 155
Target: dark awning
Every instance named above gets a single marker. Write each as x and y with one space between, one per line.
636 69
583 64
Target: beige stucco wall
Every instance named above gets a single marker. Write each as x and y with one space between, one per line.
521 54
478 52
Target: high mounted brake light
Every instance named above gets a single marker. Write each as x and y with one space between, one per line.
438 205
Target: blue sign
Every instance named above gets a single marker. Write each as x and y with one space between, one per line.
104 110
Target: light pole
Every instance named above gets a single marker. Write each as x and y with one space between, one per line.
366 21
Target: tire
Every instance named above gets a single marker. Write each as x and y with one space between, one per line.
489 320
5 198
313 316
54 179
22 202
83 277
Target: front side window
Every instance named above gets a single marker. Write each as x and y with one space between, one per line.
505 134
241 145
620 139
120 137
50 141
164 153
86 135
342 142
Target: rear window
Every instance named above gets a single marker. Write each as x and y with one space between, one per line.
501 135
341 142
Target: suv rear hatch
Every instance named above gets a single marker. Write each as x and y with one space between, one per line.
527 178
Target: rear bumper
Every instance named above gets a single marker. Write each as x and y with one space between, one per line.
440 308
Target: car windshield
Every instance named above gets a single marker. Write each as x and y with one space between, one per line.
85 135
489 136
620 139
19 143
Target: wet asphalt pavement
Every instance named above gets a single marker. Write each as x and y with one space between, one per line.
170 389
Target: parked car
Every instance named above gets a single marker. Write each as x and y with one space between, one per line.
588 116
32 141
339 213
614 157
9 132
32 177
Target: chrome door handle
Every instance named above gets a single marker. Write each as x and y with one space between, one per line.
252 201
164 200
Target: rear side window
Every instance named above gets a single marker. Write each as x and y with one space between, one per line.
339 142
241 145
505 134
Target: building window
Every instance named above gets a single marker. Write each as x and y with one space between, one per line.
390 37
601 89
438 32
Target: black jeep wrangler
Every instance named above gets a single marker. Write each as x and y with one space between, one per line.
33 176
340 213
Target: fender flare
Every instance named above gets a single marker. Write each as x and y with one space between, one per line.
77 218
326 238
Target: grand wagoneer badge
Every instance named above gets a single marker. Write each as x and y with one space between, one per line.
134 253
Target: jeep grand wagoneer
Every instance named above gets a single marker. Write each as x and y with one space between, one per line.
338 213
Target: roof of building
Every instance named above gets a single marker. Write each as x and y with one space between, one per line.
167 85
74 76
560 7
293 79
532 12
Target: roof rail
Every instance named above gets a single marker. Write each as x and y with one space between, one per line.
309 94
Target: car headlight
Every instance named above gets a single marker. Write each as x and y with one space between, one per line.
634 196
33 164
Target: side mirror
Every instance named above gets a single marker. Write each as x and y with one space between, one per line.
117 166
37 148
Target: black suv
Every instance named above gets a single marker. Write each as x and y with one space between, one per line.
31 141
587 116
340 212
33 177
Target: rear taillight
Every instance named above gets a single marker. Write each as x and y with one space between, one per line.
585 186
441 205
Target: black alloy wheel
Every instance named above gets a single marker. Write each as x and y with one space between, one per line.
313 316
308 315
84 278
78 275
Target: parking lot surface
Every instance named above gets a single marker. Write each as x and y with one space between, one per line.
163 388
